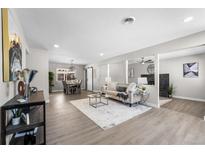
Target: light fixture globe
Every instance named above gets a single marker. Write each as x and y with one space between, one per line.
188 19
56 46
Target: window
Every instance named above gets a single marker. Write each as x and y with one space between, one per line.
63 74
61 77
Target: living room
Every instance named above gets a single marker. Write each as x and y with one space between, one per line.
96 73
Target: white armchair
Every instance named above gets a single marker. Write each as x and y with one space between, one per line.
134 95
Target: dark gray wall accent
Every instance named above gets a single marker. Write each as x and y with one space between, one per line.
58 84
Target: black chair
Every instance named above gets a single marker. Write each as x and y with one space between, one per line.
65 88
72 89
78 86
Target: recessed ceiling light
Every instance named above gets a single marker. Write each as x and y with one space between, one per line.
188 19
128 20
56 45
101 54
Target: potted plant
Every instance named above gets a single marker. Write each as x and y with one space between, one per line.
16 116
51 79
170 91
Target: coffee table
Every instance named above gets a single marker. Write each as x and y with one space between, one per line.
98 100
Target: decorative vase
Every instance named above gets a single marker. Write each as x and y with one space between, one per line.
16 121
27 92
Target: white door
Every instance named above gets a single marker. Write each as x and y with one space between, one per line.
90 79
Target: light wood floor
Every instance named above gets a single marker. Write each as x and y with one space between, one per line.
67 125
186 106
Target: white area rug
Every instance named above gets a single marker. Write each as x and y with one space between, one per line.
108 116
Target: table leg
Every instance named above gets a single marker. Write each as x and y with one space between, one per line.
44 118
3 127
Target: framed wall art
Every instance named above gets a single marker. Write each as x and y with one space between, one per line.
191 70
11 47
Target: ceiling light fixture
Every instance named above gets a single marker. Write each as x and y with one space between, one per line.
129 20
56 45
188 19
101 54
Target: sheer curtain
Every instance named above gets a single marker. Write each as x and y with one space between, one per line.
118 72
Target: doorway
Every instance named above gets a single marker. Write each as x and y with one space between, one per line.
89 79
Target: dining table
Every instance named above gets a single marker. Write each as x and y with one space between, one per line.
73 86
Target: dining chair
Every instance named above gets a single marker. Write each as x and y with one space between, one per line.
65 87
79 86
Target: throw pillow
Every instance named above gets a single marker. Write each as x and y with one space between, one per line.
121 89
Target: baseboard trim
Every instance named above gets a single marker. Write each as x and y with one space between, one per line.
190 98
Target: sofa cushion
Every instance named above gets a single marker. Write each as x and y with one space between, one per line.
111 93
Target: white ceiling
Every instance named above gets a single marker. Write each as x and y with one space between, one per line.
85 33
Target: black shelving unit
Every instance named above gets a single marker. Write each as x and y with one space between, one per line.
37 116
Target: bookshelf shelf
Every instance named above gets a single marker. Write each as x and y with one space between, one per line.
10 129
37 116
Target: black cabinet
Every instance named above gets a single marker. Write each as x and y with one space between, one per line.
150 78
37 118
163 85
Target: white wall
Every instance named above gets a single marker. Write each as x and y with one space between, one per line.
192 88
38 60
